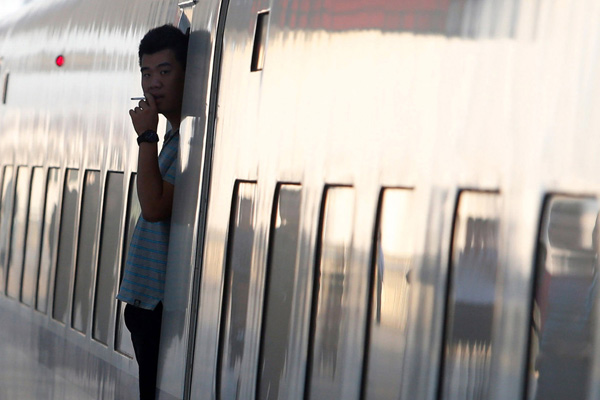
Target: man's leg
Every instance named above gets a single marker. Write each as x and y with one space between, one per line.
144 326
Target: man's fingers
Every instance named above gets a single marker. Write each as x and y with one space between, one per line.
150 100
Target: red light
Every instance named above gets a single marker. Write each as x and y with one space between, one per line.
60 60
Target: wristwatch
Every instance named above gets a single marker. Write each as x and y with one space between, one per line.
149 136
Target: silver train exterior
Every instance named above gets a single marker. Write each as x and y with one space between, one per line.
375 200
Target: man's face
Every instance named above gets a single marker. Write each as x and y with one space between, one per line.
163 77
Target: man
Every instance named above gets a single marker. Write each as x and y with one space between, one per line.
162 57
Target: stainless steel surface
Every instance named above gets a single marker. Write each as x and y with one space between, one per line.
87 248
440 99
393 275
327 360
280 279
17 233
468 342
61 298
8 187
237 323
123 342
109 258
33 245
491 96
563 324
49 237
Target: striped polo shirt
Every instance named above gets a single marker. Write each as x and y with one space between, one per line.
143 283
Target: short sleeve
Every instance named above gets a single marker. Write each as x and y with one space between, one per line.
169 175
167 159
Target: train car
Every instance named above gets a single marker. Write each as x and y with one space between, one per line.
374 200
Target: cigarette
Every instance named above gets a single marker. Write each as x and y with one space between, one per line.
138 98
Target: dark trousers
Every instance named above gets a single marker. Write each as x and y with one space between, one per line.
144 326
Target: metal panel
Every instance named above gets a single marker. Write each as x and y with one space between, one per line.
472 299
66 246
33 244
86 251
563 326
6 202
122 338
49 237
236 292
108 263
326 344
279 291
18 232
391 281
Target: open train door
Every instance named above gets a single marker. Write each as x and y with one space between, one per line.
205 22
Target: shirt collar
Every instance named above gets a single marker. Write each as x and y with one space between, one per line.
169 135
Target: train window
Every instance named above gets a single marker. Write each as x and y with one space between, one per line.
5 221
260 41
66 245
236 294
33 242
390 284
108 264
86 252
565 301
122 339
49 238
279 289
326 350
17 236
472 281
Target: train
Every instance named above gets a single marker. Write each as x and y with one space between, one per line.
384 199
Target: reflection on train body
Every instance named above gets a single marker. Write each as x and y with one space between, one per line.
390 295
34 237
236 290
281 272
563 322
472 297
49 237
325 365
375 200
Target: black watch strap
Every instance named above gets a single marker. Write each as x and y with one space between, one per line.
148 136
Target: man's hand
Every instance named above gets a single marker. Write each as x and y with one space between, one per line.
145 116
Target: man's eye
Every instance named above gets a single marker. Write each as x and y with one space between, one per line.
164 72
145 75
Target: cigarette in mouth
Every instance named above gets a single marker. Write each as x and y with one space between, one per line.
138 98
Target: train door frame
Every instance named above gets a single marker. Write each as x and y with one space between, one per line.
213 84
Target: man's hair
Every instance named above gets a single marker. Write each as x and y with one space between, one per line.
162 38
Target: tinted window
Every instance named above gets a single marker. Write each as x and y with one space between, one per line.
236 290
325 371
122 339
108 264
86 253
17 236
66 245
34 237
473 274
6 203
390 277
279 290
49 237
562 344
